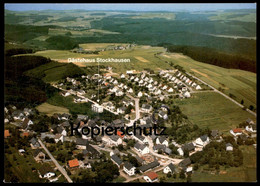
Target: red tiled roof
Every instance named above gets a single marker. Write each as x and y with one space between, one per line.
26 134
7 134
237 130
73 163
152 175
120 134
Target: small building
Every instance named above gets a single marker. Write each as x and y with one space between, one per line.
58 137
169 168
162 140
151 177
185 163
236 132
116 160
38 155
202 140
229 147
143 149
97 108
73 164
129 168
7 133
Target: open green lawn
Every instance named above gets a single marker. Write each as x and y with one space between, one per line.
49 109
244 173
210 109
240 83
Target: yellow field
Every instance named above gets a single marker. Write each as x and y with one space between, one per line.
49 109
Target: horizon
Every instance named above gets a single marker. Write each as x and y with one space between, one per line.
129 6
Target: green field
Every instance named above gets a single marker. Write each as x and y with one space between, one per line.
240 83
244 173
49 109
212 110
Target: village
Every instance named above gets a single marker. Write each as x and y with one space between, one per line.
137 158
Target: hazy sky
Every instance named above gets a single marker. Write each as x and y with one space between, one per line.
130 6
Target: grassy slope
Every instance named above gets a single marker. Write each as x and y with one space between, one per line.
49 109
240 83
213 110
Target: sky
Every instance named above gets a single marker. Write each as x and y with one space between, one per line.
130 6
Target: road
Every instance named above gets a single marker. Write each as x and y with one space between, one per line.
174 160
221 93
85 98
61 169
137 110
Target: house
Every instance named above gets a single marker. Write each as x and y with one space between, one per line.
130 90
7 133
170 89
202 140
214 133
140 138
149 166
38 155
151 177
18 115
129 72
61 131
121 110
162 140
158 147
185 163
140 94
129 168
143 149
82 117
163 115
116 152
250 121
146 108
73 164
251 128
25 124
115 140
236 132
21 151
97 108
198 87
186 94
58 137
186 147
120 134
229 147
81 143
116 160
140 160
46 171
34 143
169 168
122 76
91 151
119 93
187 169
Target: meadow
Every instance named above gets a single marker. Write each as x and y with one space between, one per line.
212 110
49 109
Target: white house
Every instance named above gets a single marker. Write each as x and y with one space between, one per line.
236 132
162 140
129 168
97 108
170 89
115 140
143 149
229 147
198 87
130 90
169 168
140 94
58 137
122 76
202 140
186 94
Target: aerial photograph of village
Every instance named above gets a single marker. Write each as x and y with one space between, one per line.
129 93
